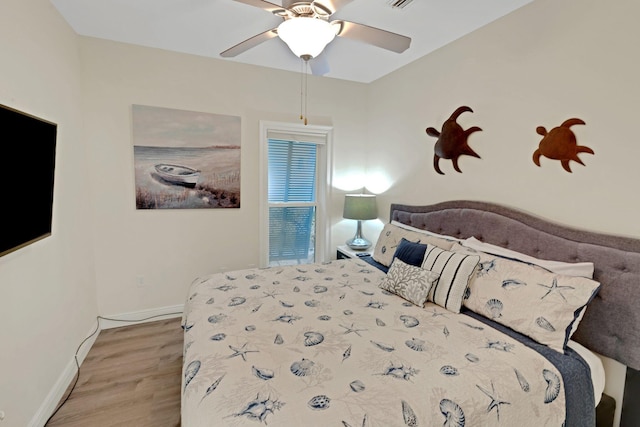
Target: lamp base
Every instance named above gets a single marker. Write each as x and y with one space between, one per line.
358 242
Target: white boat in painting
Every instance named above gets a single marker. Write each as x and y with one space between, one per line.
176 174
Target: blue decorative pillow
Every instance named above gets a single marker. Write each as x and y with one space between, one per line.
410 252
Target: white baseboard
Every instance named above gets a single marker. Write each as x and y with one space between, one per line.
64 380
105 322
143 316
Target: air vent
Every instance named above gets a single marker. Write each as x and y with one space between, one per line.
399 4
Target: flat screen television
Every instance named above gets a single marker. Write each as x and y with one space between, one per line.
28 146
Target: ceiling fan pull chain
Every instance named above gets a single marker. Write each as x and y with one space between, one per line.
306 89
301 88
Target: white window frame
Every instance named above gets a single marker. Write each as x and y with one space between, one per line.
297 132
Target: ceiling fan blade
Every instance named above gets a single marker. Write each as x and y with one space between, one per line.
262 4
375 36
249 43
319 65
334 5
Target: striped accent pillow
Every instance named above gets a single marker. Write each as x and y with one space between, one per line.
455 270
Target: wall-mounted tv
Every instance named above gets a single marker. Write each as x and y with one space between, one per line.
28 146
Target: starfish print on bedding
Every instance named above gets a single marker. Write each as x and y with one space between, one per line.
348 330
271 294
555 288
495 400
241 352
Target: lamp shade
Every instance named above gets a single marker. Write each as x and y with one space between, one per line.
360 206
306 36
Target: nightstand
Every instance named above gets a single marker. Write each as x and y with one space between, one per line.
345 251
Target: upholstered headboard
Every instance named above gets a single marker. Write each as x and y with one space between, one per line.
611 324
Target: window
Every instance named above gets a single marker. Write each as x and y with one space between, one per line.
294 188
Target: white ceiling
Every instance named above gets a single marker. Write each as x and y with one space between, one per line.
208 27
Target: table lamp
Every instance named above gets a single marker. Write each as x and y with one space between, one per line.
360 207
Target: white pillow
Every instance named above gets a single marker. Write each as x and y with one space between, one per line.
527 298
581 269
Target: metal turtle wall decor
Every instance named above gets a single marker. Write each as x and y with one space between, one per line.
452 140
560 143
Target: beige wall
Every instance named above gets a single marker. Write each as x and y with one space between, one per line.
170 248
539 66
544 63
47 293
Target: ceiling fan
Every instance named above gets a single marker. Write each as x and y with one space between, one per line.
306 29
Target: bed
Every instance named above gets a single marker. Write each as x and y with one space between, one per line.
467 314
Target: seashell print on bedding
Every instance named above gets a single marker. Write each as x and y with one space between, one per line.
287 318
471 358
408 415
409 321
191 371
416 344
511 284
319 402
313 338
382 346
319 289
524 384
449 371
212 387
553 386
400 371
376 304
263 374
453 414
302 368
485 267
346 354
357 386
218 337
217 318
545 324
494 308
259 408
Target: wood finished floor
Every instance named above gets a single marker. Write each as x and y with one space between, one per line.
130 377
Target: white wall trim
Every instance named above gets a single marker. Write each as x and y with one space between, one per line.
68 374
142 316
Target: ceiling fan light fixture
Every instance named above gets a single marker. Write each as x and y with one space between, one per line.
306 36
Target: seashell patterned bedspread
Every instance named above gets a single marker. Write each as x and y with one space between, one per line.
322 345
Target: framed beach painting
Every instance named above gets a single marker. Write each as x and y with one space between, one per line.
185 159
